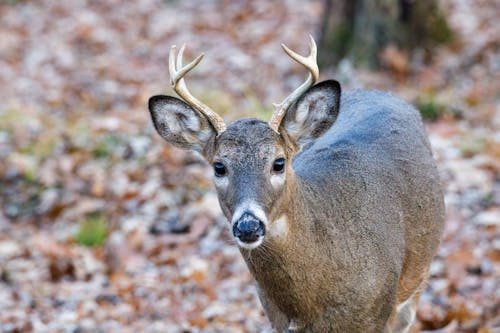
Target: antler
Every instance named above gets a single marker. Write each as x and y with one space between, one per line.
177 73
310 63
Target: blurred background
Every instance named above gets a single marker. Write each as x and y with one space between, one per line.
106 228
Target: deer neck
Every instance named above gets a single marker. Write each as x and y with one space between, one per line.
281 263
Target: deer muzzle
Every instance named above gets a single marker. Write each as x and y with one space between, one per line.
248 229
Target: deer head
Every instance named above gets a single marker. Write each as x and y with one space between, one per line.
252 159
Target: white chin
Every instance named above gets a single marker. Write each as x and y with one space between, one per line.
250 246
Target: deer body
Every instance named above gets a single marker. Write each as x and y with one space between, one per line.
335 204
364 220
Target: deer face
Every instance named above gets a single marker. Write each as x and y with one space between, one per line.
250 163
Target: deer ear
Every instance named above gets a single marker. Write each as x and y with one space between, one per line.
180 124
313 113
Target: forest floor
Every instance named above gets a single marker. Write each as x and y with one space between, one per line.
106 228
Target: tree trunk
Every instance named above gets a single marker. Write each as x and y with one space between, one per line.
362 29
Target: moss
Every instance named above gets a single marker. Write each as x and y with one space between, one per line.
92 231
430 108
438 30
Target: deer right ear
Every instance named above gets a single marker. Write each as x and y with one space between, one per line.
313 113
180 124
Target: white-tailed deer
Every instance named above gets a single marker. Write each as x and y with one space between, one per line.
337 198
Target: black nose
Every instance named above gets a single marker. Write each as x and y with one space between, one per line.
248 228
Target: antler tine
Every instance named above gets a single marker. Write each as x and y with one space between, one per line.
177 73
310 63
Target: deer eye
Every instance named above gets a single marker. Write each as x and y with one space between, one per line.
220 169
279 165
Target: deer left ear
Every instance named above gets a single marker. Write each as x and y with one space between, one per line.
180 124
313 113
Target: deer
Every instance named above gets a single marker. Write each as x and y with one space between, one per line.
335 204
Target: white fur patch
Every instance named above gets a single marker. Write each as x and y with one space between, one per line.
408 312
292 128
250 246
172 122
221 183
176 124
277 180
249 207
279 227
192 123
400 306
302 111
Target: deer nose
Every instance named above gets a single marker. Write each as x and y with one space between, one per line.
248 228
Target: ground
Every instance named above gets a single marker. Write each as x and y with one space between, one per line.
106 228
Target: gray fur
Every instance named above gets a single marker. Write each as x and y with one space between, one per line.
364 209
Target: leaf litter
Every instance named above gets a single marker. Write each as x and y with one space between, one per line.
76 145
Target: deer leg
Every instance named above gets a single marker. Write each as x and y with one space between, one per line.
294 327
405 315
